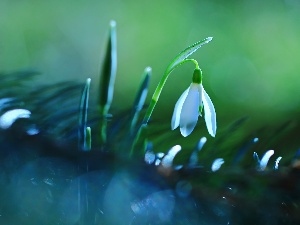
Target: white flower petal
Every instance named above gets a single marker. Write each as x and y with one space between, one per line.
209 114
177 110
265 159
216 165
167 161
9 117
277 162
190 110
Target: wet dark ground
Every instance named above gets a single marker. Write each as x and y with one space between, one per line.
43 182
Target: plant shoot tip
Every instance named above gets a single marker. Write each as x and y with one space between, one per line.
112 23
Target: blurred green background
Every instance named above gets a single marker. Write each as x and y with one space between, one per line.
251 68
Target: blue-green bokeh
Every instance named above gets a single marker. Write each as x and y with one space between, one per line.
250 68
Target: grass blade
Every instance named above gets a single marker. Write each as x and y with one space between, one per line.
107 78
186 53
140 98
82 132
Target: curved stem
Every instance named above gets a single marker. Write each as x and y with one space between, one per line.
159 88
155 98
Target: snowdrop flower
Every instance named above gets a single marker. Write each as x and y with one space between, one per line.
189 107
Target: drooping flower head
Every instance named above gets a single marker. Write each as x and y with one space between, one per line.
189 107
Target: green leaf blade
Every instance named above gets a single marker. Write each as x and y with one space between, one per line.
83 108
109 69
186 53
140 97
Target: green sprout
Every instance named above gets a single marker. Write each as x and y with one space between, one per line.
84 132
107 80
140 98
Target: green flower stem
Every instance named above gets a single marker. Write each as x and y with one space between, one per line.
159 88
155 98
